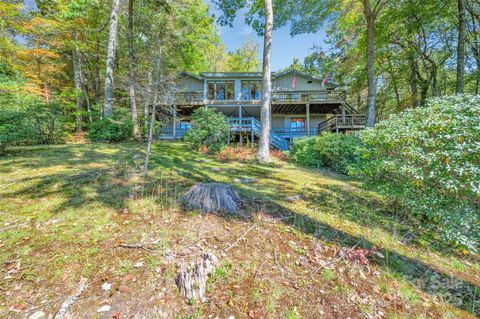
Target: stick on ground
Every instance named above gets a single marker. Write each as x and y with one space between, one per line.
71 299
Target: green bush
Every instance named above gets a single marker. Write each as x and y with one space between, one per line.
428 160
333 150
302 152
111 129
11 128
337 151
25 120
209 129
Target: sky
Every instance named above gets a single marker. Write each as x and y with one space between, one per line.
284 47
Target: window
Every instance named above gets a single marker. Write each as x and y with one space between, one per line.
297 123
221 90
251 90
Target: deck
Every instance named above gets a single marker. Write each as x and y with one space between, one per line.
278 98
280 137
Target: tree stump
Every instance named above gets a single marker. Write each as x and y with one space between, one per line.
212 198
192 281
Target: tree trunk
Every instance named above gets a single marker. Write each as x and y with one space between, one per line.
82 81
461 47
263 154
98 86
112 44
372 82
413 79
147 95
154 91
131 74
78 87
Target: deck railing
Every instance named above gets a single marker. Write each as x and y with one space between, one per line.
280 96
291 132
189 97
351 120
342 121
308 96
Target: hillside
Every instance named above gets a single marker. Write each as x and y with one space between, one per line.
74 211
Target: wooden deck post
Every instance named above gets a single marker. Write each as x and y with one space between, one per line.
308 119
174 122
252 134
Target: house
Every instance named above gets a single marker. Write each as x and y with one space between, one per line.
301 105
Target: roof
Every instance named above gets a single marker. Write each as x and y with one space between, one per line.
191 75
204 75
231 74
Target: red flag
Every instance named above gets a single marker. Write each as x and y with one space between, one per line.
294 80
328 79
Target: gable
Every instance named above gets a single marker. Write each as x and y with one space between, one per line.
304 83
189 82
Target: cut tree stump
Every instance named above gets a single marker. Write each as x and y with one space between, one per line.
212 198
192 281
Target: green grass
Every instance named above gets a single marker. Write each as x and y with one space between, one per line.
61 209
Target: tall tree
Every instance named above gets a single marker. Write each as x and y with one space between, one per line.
371 13
263 154
112 44
131 74
461 47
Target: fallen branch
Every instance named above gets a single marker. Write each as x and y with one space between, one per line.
239 239
13 226
65 307
258 269
145 246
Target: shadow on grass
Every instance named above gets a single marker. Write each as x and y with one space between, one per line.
98 174
460 293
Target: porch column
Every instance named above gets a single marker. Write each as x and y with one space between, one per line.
174 122
240 133
240 111
308 119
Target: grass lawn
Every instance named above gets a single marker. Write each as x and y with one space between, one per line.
66 210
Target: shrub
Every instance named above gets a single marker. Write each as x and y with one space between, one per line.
333 150
302 152
11 128
209 129
337 151
26 121
428 159
111 129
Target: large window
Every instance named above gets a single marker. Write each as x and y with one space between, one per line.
251 90
221 90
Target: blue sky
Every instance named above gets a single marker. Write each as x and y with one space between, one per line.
284 47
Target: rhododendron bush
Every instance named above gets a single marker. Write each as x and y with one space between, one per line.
428 159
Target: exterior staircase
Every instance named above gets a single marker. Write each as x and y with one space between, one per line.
278 138
250 124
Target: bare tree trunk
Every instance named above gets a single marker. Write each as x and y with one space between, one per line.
131 74
78 87
394 84
154 91
147 100
112 43
461 47
81 78
263 154
98 87
413 79
150 134
372 81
